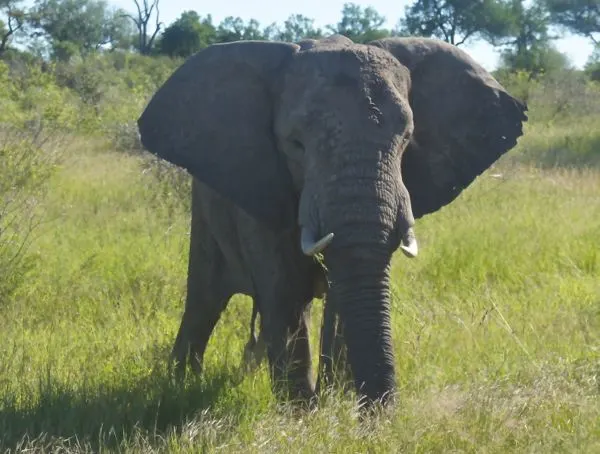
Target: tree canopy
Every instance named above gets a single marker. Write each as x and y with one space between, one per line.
578 16
528 43
360 24
15 18
297 27
79 26
520 28
457 21
187 35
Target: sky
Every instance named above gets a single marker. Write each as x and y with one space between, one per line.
326 12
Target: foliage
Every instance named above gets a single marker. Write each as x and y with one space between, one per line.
79 27
190 33
559 96
146 34
15 19
27 160
296 28
30 96
457 21
81 95
535 60
187 35
236 29
578 16
101 82
528 43
592 67
360 24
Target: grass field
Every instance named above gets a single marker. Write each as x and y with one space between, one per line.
496 324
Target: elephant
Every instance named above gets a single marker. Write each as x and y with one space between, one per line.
323 147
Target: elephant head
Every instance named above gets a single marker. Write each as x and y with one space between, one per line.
348 142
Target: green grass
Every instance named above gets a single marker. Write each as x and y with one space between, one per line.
496 324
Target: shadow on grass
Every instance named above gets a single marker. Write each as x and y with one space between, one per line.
105 417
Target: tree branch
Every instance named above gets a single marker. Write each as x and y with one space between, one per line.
139 9
129 16
13 16
158 25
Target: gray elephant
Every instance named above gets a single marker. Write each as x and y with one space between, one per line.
322 146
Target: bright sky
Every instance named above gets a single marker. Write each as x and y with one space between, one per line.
329 12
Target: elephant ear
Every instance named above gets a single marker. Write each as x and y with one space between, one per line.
214 117
464 121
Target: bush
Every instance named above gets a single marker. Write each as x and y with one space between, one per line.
169 182
565 95
125 137
91 96
557 96
27 160
29 94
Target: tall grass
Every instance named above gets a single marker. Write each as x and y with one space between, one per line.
496 324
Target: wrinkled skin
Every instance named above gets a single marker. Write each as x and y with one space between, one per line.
289 143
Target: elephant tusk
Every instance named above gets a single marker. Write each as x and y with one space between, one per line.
409 244
310 246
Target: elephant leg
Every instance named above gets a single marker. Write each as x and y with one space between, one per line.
207 297
255 349
286 335
197 324
300 374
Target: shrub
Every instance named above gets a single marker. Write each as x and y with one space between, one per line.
565 95
169 182
557 96
30 94
27 160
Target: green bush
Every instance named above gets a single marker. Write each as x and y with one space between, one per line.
92 96
30 94
27 160
557 96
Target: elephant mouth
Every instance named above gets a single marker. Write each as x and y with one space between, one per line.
311 246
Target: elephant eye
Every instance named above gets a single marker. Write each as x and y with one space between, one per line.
298 145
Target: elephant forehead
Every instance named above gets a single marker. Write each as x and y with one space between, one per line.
343 64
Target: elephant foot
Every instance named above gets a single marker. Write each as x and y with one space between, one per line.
254 353
185 351
296 395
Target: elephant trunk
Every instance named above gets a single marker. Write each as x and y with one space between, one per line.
365 204
363 297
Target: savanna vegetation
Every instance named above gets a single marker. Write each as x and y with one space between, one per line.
496 324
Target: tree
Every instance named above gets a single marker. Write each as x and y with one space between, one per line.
187 35
581 17
141 20
235 29
360 25
296 28
536 60
15 21
592 66
528 46
79 26
457 21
